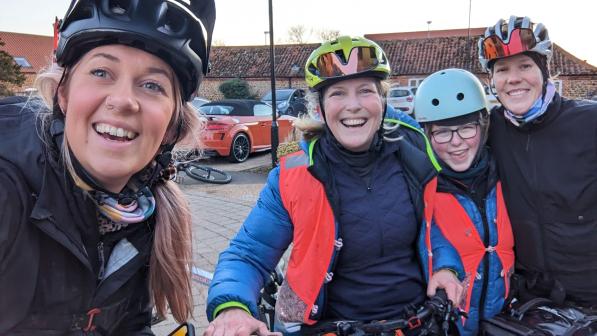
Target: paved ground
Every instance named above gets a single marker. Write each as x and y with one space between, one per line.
218 211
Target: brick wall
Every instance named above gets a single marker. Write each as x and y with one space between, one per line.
576 87
579 87
209 87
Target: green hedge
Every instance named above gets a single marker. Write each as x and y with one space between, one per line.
237 89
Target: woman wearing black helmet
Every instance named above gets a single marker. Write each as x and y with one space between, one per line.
546 150
92 230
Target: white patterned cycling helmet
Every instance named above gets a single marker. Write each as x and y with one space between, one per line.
512 37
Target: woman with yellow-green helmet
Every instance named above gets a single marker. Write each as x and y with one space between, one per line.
350 202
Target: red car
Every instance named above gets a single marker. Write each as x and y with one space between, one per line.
237 127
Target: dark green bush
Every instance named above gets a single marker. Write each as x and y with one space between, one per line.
236 89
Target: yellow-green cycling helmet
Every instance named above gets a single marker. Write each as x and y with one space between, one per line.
343 58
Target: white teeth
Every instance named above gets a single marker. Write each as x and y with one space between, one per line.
354 122
114 131
516 92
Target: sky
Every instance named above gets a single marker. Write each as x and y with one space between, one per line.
243 22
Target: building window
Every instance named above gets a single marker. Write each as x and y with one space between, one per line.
22 62
558 84
415 82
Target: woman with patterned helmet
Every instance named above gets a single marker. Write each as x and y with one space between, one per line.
545 148
519 39
468 202
349 200
98 232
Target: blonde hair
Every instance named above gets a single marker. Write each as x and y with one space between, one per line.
311 125
171 258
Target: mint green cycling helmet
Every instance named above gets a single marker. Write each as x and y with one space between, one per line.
449 93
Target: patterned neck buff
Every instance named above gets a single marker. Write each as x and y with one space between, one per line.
113 216
537 110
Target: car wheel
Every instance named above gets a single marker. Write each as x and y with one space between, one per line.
240 148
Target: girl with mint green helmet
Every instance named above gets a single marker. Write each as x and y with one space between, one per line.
449 94
467 222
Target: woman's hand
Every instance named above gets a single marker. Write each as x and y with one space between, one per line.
237 322
447 280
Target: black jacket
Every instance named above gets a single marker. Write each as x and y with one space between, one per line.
50 244
549 172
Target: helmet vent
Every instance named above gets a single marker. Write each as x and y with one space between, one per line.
435 102
172 20
80 13
119 7
460 96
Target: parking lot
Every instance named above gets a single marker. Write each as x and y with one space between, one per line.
218 211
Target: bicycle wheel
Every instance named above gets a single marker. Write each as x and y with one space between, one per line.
207 174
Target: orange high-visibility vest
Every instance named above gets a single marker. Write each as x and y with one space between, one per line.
305 199
459 230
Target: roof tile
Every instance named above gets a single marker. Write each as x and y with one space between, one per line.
37 49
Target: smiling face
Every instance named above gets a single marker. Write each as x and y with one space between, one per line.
518 82
118 102
458 153
353 110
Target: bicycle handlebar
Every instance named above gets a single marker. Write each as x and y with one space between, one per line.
437 306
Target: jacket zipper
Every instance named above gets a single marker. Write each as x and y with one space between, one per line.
485 263
100 253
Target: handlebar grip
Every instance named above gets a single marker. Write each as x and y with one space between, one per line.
441 294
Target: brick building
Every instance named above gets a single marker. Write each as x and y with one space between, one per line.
413 56
32 52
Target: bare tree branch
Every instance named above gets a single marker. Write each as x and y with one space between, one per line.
328 34
296 34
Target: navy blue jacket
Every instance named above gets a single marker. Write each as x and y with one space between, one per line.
268 231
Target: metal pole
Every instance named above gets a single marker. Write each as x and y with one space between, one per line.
468 53
273 80
428 27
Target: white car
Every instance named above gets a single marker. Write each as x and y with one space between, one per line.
198 102
491 99
402 98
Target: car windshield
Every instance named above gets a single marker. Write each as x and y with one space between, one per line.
217 109
399 93
280 95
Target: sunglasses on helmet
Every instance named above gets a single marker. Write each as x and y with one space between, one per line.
521 40
333 64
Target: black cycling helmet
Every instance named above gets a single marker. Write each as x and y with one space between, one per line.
177 31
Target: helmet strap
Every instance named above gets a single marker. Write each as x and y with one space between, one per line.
321 110
56 109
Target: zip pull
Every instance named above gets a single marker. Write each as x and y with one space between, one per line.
100 253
